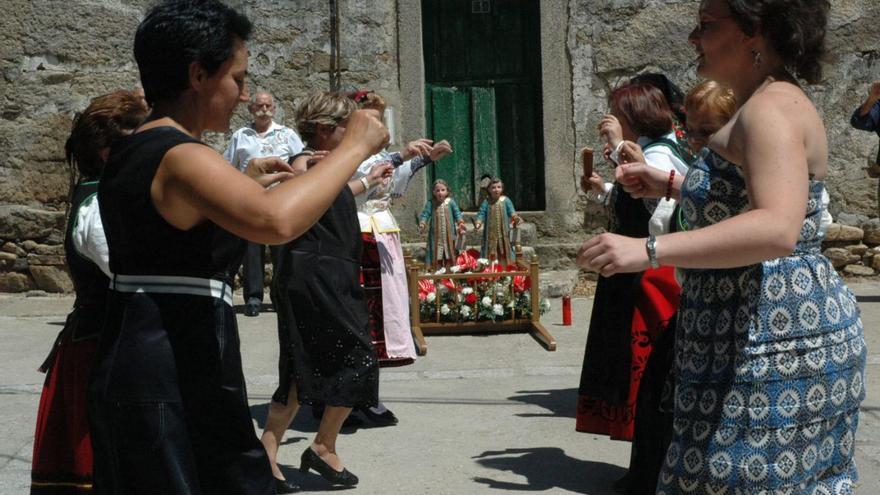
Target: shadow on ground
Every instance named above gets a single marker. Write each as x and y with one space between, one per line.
558 403
549 467
304 422
868 299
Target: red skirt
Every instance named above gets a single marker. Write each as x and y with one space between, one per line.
656 302
62 460
371 279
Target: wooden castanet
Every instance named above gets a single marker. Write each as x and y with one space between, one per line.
587 161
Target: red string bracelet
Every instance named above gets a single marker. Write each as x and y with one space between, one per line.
669 184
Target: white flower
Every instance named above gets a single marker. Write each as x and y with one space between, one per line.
487 301
482 261
441 271
431 296
511 304
454 269
467 290
545 304
442 288
498 309
444 310
465 311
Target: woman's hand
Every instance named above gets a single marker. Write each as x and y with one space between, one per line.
378 172
631 152
610 130
316 156
593 182
462 228
363 129
642 181
422 227
609 254
440 150
269 170
419 147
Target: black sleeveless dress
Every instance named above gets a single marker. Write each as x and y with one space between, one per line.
326 347
168 405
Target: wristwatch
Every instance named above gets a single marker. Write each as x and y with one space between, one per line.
651 248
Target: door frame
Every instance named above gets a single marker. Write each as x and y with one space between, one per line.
560 156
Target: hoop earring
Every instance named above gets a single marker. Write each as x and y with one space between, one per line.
759 60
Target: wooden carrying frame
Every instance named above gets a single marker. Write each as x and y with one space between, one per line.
531 324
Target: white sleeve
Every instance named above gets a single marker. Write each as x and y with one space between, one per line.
294 143
229 154
88 235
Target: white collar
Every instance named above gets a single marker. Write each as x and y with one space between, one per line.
274 126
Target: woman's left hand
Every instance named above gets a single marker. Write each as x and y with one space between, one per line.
379 171
440 149
631 152
609 254
419 147
269 170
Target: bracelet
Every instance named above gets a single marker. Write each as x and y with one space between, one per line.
366 183
651 248
669 184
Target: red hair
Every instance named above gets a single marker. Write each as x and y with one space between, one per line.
644 108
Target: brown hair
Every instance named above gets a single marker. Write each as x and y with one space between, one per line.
709 95
369 100
644 108
106 119
321 107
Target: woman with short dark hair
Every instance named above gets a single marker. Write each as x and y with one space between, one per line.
770 357
168 402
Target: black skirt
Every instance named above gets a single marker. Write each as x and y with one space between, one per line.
323 330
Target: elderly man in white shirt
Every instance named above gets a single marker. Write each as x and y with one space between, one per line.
263 137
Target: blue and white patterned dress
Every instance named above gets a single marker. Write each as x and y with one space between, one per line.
770 362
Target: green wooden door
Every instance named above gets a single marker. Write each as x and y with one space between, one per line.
488 53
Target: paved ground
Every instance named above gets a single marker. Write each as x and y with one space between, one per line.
488 414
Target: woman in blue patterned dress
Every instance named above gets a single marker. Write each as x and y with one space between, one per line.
770 354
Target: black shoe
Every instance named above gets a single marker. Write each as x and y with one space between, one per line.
623 484
386 418
285 486
311 460
252 308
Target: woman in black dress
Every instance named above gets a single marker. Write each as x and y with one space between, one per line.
326 353
168 405
62 458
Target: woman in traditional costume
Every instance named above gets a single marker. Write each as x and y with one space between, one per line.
62 458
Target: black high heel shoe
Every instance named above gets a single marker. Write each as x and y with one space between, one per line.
311 460
286 486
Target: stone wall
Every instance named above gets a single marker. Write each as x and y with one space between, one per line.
57 55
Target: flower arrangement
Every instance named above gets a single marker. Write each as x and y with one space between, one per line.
477 298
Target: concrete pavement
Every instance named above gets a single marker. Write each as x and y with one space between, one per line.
478 414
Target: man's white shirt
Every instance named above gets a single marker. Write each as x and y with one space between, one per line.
247 143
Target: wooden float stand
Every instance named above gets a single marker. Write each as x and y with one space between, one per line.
532 324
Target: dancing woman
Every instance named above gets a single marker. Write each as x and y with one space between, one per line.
62 459
770 356
168 405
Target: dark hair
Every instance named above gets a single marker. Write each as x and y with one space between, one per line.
102 123
794 28
644 108
175 34
673 94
